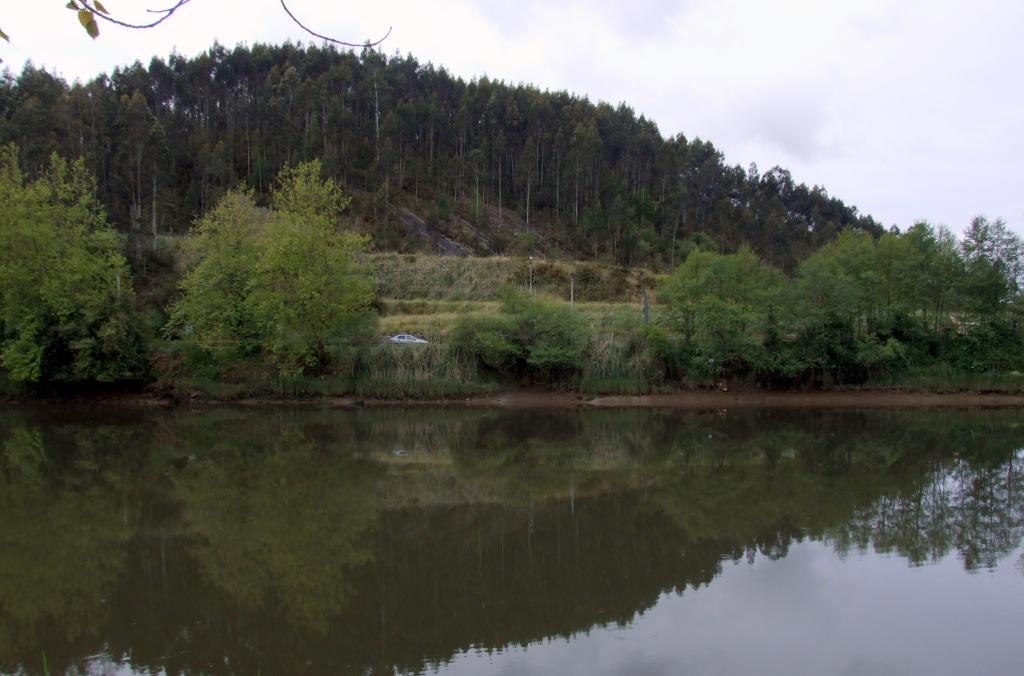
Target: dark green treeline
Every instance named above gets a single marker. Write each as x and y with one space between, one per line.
166 141
298 541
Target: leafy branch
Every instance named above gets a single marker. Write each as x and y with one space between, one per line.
89 11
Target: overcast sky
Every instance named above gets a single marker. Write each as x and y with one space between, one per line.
908 109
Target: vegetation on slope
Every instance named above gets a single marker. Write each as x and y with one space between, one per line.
435 163
285 300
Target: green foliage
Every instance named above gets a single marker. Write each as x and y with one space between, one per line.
312 292
943 377
65 289
214 309
551 336
285 281
721 303
533 339
858 308
994 260
624 363
989 346
489 339
302 191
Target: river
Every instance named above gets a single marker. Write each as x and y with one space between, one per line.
295 540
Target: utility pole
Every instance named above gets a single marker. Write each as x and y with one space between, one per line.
647 308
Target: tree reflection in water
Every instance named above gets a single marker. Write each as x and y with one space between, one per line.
290 541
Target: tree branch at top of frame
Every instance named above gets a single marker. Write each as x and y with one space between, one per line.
95 8
89 10
298 23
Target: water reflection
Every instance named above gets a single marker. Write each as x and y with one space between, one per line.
300 541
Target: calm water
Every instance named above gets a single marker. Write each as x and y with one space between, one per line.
450 541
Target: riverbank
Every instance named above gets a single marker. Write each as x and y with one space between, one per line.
542 399
711 399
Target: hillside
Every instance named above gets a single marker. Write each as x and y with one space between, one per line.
435 164
278 301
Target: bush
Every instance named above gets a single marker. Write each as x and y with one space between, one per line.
989 346
534 340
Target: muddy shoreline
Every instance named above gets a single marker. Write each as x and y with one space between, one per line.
540 399
691 400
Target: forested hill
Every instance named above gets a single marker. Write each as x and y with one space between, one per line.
433 161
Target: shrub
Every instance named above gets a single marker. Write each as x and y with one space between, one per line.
535 340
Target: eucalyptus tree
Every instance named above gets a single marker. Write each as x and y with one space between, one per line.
401 135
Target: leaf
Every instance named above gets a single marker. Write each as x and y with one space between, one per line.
4 35
88 21
100 8
72 4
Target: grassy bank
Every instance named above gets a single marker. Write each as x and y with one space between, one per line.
943 379
381 372
434 319
423 277
488 331
479 347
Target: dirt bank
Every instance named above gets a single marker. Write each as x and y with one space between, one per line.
712 399
531 398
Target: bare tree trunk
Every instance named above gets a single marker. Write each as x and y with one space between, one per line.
376 119
401 166
576 200
528 181
672 249
153 220
558 164
324 117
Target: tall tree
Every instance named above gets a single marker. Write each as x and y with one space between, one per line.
65 289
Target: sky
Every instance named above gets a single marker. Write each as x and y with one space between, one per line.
908 109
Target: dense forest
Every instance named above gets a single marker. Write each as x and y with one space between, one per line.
488 166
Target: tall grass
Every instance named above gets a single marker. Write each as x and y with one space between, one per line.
617 364
422 306
433 327
261 384
417 276
434 319
418 372
943 378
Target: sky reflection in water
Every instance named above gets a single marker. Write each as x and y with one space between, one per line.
809 613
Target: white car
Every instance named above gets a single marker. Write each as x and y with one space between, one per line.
407 339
